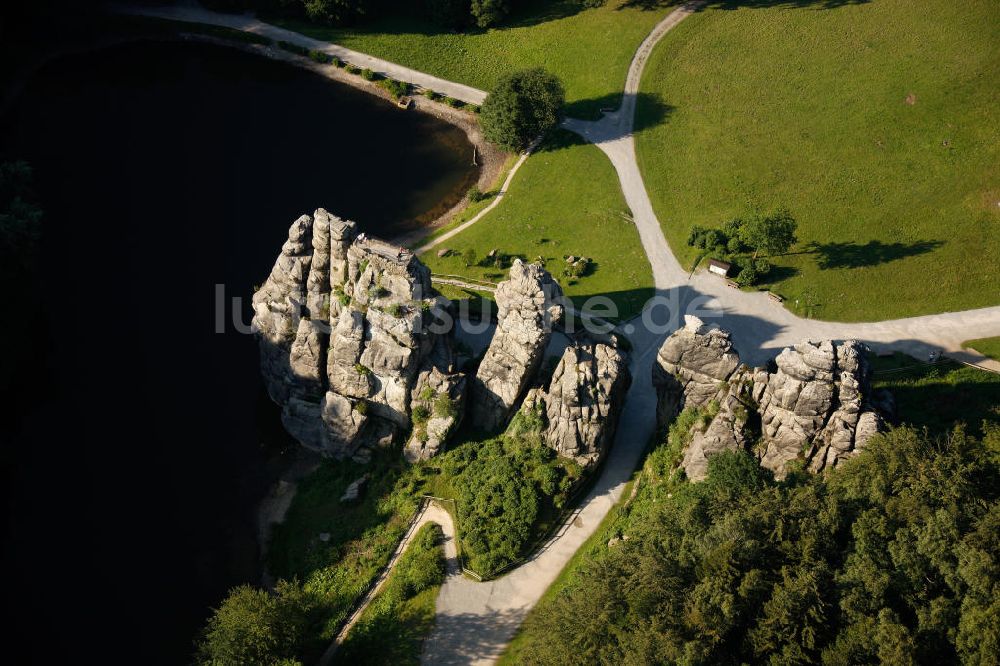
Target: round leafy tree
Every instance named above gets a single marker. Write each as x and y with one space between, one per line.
521 107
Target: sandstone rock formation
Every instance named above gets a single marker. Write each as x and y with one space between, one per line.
582 402
691 367
439 397
815 407
528 306
815 401
344 325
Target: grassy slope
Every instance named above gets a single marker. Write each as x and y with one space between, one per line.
392 629
362 538
806 108
589 50
940 396
985 346
569 198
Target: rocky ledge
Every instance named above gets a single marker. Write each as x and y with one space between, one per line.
528 305
814 405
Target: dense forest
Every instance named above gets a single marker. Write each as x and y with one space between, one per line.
891 558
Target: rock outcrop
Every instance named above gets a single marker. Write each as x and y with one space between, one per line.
815 407
812 405
528 304
344 324
582 402
692 367
438 399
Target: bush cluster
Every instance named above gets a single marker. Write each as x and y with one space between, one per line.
743 239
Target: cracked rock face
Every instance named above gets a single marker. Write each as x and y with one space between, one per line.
528 305
583 401
726 432
816 407
342 323
692 367
813 405
438 394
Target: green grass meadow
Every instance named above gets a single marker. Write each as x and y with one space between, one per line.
875 124
565 200
986 346
589 49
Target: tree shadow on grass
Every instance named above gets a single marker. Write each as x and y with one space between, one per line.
940 396
650 108
780 273
872 253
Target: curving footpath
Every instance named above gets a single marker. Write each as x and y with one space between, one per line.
430 513
248 23
475 621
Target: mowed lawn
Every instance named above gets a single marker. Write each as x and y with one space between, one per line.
986 346
877 125
565 200
589 49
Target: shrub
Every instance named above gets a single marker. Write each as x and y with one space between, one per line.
319 56
748 276
361 406
351 69
396 88
420 416
762 266
452 102
396 310
444 407
253 626
521 107
429 94
469 256
293 48
361 369
475 194
489 12
368 75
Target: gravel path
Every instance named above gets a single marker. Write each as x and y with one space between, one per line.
477 620
248 23
430 513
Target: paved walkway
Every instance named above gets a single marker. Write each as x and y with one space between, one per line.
430 513
760 326
493 204
247 23
476 620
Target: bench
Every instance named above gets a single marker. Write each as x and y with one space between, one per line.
774 297
730 283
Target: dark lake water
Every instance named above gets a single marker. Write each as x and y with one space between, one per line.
139 438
